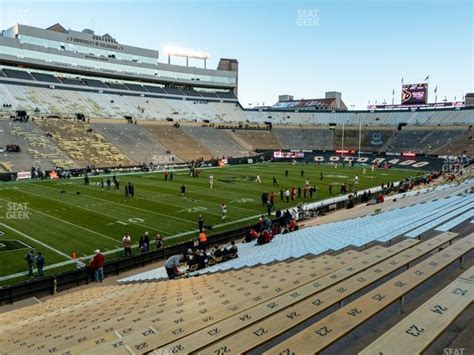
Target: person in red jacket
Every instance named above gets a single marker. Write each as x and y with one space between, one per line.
99 261
264 238
292 226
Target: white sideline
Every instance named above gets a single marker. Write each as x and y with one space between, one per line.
34 240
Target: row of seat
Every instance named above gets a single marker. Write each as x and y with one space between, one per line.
280 314
178 304
325 332
214 313
417 331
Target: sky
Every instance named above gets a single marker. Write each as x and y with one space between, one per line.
303 48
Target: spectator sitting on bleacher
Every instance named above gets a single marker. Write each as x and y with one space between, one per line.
201 259
251 236
193 259
13 148
217 252
264 238
276 229
286 217
380 198
292 226
230 251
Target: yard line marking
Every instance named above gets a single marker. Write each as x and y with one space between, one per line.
35 240
137 208
118 220
67 222
157 195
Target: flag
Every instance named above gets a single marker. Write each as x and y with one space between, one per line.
402 80
393 92
427 77
436 89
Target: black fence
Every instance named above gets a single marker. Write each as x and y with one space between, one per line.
66 280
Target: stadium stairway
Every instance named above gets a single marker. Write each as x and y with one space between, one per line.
410 221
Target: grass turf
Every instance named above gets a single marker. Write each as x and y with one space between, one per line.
59 224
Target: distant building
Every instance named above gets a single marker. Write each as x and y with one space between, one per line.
70 54
331 101
469 100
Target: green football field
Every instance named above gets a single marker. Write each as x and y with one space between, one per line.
53 218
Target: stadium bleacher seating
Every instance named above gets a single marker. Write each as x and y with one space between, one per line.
295 137
427 132
258 139
177 141
322 334
36 149
417 331
82 144
219 141
134 140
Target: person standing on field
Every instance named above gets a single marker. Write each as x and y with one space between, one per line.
30 260
40 264
201 222
127 245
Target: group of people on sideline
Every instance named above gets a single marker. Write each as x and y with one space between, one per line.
143 243
32 259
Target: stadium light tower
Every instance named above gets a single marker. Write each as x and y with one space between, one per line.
186 53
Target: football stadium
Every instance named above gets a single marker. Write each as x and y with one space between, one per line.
147 207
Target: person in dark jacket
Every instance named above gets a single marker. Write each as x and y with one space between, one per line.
30 260
40 264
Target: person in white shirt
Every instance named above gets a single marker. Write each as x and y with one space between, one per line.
127 245
80 264
223 211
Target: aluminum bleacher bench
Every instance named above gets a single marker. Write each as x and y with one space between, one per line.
327 331
210 334
284 319
166 312
456 221
235 301
421 327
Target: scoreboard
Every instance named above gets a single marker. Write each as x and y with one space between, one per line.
415 94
